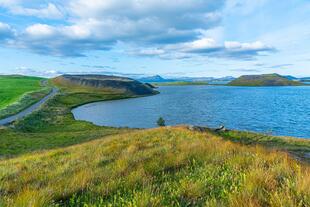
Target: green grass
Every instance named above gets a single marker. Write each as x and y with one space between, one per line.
12 88
158 167
49 159
299 148
19 92
181 83
54 126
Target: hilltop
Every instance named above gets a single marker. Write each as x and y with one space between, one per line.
104 82
264 80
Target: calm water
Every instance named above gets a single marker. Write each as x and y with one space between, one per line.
274 110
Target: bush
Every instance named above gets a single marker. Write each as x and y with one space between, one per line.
161 122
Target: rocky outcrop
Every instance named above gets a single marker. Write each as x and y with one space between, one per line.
123 84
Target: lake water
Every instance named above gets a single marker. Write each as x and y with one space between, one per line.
273 110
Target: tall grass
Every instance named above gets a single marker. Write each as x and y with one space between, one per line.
158 167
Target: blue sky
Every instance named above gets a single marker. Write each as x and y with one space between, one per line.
145 37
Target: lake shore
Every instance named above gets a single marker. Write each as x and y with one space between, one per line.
264 110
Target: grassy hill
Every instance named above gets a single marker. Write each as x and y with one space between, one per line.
103 82
263 80
54 126
158 167
50 159
19 92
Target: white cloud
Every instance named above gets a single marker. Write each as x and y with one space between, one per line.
50 11
16 7
98 25
210 48
166 29
40 31
237 46
34 72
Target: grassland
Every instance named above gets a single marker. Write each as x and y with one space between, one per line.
54 126
299 148
19 92
180 83
49 159
158 167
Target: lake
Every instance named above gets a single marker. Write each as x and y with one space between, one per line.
273 110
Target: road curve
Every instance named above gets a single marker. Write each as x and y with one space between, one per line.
28 110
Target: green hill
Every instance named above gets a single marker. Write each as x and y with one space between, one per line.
103 82
157 167
50 159
263 80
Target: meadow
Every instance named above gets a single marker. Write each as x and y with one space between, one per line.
19 92
54 126
157 167
50 159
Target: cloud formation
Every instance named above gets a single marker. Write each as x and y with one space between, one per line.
16 7
209 47
6 32
172 29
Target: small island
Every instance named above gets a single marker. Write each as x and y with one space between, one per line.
264 80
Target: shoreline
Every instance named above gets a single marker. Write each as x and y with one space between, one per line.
188 124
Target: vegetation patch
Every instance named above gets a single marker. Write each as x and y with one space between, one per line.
19 92
158 167
298 147
25 101
54 126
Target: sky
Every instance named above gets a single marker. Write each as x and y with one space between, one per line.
172 38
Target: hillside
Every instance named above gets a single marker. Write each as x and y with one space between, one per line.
158 167
50 159
263 80
112 83
19 92
14 87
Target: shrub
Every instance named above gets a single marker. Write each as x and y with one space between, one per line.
161 122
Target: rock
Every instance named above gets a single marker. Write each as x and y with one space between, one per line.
221 129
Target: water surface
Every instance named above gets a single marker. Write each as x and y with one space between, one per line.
274 110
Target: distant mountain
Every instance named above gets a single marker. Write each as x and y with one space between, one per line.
154 79
159 79
305 79
290 77
263 80
226 78
194 79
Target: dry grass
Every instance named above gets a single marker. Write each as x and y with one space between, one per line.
158 167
